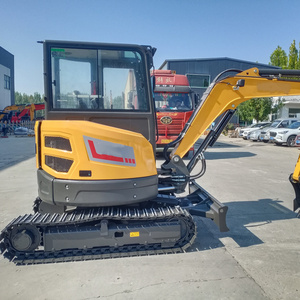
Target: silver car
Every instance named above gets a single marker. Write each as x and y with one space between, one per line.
255 134
244 133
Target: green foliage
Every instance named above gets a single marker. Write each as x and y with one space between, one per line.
293 56
229 126
27 99
298 65
257 109
277 106
279 58
244 113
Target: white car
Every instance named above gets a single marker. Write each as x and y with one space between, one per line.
285 135
278 123
246 131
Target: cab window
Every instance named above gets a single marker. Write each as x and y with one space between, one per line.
97 79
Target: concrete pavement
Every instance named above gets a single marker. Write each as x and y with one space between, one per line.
259 258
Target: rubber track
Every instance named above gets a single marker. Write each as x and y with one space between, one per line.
83 217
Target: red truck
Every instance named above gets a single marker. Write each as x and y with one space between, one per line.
174 105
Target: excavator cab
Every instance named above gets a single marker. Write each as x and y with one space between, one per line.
97 144
101 83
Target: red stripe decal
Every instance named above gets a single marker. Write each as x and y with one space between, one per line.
103 156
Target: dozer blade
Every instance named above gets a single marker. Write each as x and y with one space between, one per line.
205 205
296 186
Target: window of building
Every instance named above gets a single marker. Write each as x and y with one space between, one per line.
6 82
198 80
293 112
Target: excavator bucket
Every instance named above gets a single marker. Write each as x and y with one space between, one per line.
296 186
294 179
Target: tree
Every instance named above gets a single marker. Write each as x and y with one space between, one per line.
257 109
18 98
37 98
298 66
279 58
27 99
293 56
118 102
244 112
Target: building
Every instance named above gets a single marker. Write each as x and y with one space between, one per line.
290 108
7 85
201 72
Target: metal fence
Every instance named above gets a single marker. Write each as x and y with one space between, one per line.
13 125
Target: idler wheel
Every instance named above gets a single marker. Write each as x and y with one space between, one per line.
25 238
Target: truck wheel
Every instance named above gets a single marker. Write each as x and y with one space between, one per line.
291 141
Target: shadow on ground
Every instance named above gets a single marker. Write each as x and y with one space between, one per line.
219 144
241 217
15 150
222 155
227 155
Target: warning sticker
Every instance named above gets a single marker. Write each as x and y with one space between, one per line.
134 234
58 52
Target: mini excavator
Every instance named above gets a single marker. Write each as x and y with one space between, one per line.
100 194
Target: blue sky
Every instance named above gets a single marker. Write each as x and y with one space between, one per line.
248 30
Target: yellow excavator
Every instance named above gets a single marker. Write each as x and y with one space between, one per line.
100 194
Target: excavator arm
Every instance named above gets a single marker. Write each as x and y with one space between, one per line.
221 98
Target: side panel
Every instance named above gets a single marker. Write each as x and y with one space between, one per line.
81 150
87 164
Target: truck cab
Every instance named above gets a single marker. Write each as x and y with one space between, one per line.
174 104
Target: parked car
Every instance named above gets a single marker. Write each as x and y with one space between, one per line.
278 123
255 134
245 131
23 131
285 135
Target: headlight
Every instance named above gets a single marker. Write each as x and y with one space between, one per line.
254 134
283 132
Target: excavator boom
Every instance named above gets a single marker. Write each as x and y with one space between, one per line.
226 94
